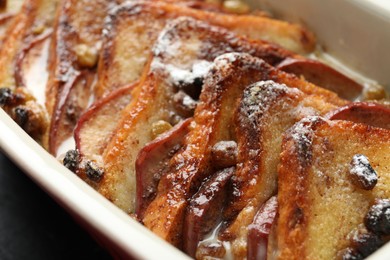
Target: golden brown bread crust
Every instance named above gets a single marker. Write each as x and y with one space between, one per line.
132 133
295 157
265 111
95 126
228 77
5 21
171 58
191 165
318 205
21 32
76 24
123 58
11 6
214 41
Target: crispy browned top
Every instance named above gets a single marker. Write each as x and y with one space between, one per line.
315 195
123 57
33 13
77 25
153 98
227 79
22 31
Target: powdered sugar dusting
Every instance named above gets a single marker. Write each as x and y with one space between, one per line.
178 76
114 10
227 59
303 133
167 43
167 53
259 96
232 59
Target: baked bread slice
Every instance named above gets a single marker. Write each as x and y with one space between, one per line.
34 20
266 110
9 9
74 57
174 69
227 79
123 58
94 130
20 32
72 68
323 198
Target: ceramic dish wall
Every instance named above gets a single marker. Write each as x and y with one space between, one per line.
356 32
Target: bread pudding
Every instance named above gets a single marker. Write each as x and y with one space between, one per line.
211 128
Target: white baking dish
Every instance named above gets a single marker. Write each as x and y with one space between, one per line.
122 235
357 32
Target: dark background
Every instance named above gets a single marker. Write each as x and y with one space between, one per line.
33 226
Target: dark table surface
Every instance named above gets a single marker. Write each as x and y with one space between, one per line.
33 226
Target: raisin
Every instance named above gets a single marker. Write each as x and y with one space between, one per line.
224 154
21 116
361 173
351 254
367 243
192 89
71 160
5 96
93 171
377 219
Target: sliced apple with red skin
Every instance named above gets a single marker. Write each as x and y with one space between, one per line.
96 126
368 113
152 162
69 106
324 76
229 76
259 230
20 61
205 209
